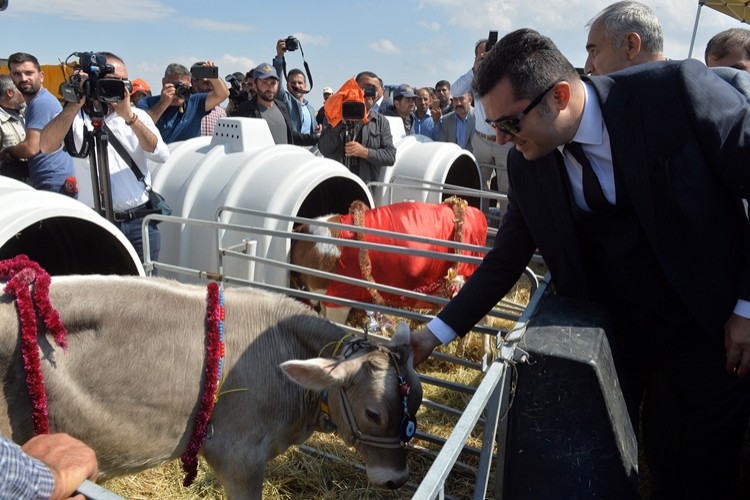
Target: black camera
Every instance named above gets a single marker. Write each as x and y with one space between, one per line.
292 43
353 111
98 86
491 40
370 91
236 93
181 91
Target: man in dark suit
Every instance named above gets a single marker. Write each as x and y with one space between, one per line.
659 237
462 114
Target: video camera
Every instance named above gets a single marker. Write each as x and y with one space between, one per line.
97 87
236 93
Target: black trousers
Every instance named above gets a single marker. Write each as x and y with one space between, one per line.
694 414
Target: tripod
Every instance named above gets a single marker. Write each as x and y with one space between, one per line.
95 146
349 134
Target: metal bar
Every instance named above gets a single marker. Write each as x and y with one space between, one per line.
488 438
695 28
433 482
93 491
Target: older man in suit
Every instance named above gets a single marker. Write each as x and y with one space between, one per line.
631 187
458 125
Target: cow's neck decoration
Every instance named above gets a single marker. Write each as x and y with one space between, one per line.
21 273
214 363
408 425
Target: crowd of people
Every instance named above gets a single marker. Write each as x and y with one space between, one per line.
628 175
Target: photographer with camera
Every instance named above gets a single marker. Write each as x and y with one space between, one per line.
301 111
176 111
266 105
359 138
238 89
48 172
137 136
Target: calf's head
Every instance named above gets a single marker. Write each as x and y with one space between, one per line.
373 395
315 255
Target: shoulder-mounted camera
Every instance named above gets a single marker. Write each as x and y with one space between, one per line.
98 86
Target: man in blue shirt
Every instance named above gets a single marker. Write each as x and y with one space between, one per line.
49 172
426 120
178 113
301 111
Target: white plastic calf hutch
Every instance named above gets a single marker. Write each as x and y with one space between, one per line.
240 167
63 235
423 163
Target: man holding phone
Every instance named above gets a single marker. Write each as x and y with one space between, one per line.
491 156
176 111
202 75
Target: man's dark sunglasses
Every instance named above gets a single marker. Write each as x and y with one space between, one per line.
511 125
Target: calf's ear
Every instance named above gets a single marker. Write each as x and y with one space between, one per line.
402 335
317 373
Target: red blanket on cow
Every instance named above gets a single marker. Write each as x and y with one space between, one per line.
421 274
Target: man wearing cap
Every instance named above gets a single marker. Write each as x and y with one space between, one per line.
264 104
404 104
321 116
178 113
140 90
301 112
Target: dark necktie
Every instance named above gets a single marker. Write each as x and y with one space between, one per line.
592 190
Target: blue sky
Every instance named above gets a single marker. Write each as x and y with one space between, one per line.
417 42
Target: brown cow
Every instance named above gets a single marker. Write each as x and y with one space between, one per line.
452 220
130 382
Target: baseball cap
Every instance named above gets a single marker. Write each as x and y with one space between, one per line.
139 85
327 90
404 90
263 71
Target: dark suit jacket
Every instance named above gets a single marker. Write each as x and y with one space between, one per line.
250 109
680 140
447 131
375 135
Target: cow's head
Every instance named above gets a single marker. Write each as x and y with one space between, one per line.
373 396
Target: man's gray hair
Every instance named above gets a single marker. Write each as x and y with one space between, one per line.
629 16
6 84
177 69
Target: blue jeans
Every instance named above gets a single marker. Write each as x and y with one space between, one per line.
132 231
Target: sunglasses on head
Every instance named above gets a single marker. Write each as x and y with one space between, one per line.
511 125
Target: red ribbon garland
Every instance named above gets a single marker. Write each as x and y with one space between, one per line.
214 316
21 272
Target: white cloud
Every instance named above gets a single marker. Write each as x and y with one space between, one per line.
96 10
385 47
230 63
429 25
319 40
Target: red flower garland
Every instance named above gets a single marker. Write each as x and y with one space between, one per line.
21 272
214 353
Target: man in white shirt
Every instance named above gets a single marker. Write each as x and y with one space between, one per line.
136 132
